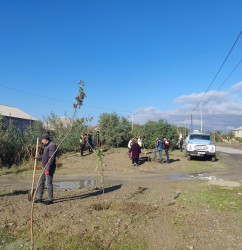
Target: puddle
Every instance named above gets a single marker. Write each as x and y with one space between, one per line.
179 176
204 177
183 176
175 176
224 154
81 184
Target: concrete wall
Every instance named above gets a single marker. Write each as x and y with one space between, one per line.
238 133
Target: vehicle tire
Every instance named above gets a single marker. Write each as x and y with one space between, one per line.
213 158
189 157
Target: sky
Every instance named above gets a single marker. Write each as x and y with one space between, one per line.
148 60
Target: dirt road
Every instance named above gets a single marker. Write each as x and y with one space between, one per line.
229 150
152 206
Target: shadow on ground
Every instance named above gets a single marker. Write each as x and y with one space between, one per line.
14 193
84 196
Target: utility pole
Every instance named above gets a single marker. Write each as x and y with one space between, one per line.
185 129
191 124
201 114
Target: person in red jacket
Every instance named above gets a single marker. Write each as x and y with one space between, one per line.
134 151
166 147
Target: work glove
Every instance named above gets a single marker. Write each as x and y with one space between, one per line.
47 172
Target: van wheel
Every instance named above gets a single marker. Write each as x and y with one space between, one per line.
189 157
213 158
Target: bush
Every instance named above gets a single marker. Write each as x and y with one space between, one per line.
151 130
16 146
114 130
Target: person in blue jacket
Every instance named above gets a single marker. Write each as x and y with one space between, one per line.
159 147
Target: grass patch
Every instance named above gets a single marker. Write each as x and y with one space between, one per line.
11 239
198 165
86 242
5 236
216 197
130 246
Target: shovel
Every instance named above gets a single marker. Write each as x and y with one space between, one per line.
31 192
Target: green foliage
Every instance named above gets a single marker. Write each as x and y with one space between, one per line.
16 146
229 136
217 135
239 139
151 130
58 127
80 97
114 130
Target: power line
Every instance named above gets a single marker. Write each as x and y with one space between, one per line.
218 71
58 100
226 79
28 93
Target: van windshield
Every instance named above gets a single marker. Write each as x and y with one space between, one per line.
200 137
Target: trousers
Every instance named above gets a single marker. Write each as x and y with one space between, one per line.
49 183
160 153
167 155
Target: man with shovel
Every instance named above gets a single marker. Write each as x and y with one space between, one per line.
48 160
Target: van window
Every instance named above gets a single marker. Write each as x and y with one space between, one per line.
199 137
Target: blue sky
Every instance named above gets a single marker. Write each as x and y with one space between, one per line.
151 58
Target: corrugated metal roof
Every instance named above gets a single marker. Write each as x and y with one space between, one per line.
15 112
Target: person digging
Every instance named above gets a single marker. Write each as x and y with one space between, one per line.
49 156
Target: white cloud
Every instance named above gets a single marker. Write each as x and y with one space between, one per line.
237 86
222 111
211 96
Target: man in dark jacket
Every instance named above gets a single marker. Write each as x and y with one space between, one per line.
181 144
90 143
48 160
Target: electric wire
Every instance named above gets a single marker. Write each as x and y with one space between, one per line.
226 79
220 68
28 93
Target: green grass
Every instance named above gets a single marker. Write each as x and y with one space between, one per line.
86 242
6 236
216 197
11 239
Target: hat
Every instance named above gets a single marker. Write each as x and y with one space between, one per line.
45 136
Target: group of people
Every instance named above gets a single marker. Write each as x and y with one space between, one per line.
86 139
135 145
160 145
48 159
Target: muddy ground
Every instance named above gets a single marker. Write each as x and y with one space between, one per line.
181 205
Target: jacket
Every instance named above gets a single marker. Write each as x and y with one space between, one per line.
49 149
135 151
159 144
166 145
82 140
